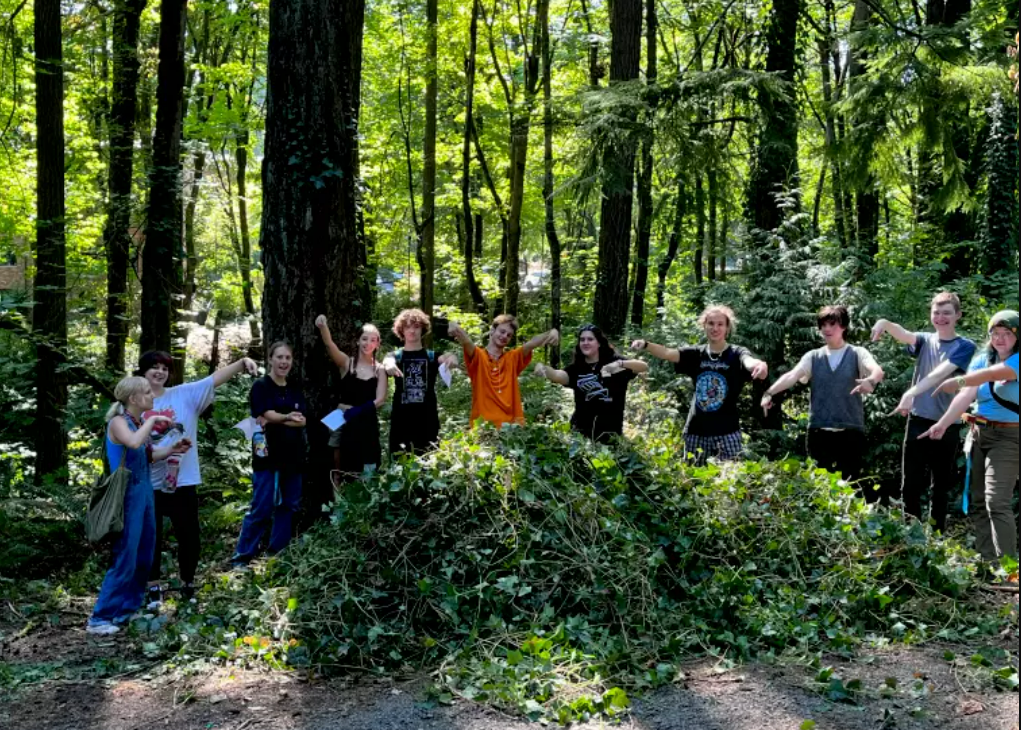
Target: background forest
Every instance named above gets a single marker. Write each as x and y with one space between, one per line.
206 176
571 161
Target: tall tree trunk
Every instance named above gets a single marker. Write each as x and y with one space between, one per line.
466 156
595 70
673 247
49 314
699 244
548 185
161 258
723 242
611 304
836 187
776 162
645 202
245 264
713 220
117 232
866 193
428 239
314 253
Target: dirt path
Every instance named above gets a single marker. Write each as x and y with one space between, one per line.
68 681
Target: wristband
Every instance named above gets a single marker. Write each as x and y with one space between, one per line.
961 382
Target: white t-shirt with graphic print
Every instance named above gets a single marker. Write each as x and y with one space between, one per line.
184 404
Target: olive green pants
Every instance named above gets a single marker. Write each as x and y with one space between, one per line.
994 470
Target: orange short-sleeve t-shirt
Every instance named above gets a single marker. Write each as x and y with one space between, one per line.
496 393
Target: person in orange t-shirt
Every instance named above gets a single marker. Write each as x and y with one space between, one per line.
496 395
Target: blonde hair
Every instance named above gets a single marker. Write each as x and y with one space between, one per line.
508 319
724 311
125 389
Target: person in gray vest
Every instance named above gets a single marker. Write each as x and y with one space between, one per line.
938 356
840 375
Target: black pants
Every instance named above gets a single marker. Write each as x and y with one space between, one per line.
182 507
841 451
929 463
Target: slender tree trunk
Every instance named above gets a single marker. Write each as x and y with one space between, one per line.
428 244
673 248
161 259
611 304
713 220
548 184
595 70
466 207
700 226
866 194
723 242
190 247
645 202
776 163
117 232
245 263
49 314
314 252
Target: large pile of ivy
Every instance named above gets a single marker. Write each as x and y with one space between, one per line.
525 560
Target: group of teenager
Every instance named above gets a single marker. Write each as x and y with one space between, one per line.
152 425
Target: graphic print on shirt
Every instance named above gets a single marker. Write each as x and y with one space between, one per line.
161 428
593 389
415 381
710 391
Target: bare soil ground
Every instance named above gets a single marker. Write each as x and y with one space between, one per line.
70 681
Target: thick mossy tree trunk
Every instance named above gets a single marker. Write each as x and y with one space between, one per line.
116 235
162 254
645 202
776 159
611 300
314 253
49 314
428 237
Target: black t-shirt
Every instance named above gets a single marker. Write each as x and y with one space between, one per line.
718 382
286 444
598 401
414 403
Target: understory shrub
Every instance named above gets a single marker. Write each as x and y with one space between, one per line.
532 560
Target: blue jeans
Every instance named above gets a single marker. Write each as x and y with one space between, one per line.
124 586
275 499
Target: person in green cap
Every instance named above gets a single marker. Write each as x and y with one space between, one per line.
992 445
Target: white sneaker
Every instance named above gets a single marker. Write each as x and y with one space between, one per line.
102 629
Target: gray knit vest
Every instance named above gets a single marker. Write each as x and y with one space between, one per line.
833 406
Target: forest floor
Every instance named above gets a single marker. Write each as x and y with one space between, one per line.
55 677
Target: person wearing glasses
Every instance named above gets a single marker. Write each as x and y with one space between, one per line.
599 378
719 371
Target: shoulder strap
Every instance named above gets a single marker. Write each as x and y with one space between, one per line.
430 355
399 355
1012 407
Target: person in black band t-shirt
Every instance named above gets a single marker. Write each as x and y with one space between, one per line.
720 370
415 417
277 462
599 378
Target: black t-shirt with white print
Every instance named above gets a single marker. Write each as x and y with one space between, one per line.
598 401
718 383
415 411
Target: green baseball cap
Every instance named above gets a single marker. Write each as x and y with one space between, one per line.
1007 318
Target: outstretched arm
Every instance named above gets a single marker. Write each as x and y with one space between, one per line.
638 367
179 447
995 374
785 382
886 327
224 374
937 376
546 338
553 375
341 360
957 409
873 377
758 368
657 351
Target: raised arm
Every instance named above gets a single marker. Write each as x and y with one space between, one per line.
457 333
341 360
937 376
886 327
224 374
546 338
657 351
553 375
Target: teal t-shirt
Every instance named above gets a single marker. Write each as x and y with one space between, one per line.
987 406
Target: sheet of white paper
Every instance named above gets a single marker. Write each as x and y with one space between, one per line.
445 374
247 427
334 420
